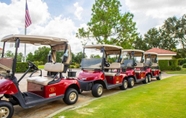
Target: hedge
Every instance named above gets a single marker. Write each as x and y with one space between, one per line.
169 65
184 65
23 66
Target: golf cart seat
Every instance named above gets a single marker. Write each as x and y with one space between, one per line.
138 67
112 66
45 80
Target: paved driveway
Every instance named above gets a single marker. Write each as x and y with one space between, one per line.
47 110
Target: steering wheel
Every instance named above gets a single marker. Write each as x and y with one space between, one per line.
32 65
107 64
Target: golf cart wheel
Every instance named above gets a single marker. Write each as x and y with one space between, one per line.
71 96
146 80
6 109
159 77
131 82
149 78
97 90
124 85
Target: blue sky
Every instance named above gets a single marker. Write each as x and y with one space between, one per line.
62 18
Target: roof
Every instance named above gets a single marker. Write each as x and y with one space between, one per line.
161 51
106 47
151 53
34 39
135 50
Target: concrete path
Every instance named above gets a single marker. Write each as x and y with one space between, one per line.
50 109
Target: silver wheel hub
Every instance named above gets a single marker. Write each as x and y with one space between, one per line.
132 82
4 112
72 96
100 90
125 84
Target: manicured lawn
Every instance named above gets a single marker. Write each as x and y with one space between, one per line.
182 71
40 66
159 99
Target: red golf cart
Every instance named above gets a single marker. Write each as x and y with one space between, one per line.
132 65
40 88
151 66
101 69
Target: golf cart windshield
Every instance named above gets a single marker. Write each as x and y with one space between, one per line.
100 55
131 57
93 63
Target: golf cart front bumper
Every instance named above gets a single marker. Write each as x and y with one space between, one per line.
86 85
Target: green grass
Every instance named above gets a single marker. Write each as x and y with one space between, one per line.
182 71
40 66
159 99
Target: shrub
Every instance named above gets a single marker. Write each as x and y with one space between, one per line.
178 68
184 65
23 66
182 61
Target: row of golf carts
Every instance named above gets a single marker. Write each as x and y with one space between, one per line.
109 67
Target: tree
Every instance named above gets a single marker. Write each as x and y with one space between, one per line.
41 54
78 57
159 38
30 57
139 43
20 57
94 56
152 38
108 25
181 30
9 53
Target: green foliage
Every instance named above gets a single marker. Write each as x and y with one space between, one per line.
20 57
78 57
39 55
163 64
184 65
23 66
109 26
9 53
30 57
74 65
181 61
168 36
169 65
139 43
94 56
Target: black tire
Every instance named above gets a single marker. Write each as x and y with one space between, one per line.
97 90
7 109
159 77
131 82
71 96
146 80
124 85
149 78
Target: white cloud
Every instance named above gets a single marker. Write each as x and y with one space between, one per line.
152 13
12 22
60 27
78 10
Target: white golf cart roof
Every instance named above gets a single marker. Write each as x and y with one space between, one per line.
34 39
106 47
151 53
130 50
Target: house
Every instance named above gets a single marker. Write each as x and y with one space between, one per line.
162 53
